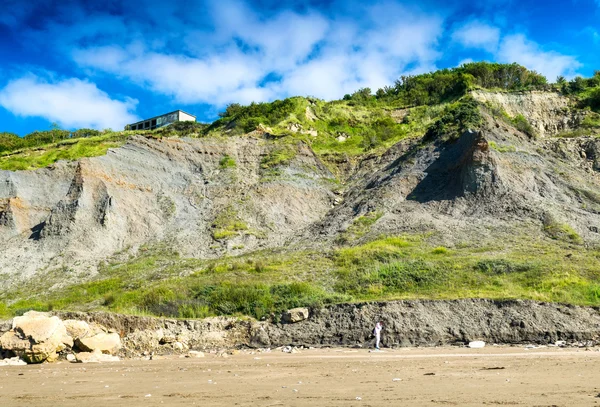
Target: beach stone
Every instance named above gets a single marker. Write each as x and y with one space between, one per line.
195 354
476 344
108 343
95 357
295 315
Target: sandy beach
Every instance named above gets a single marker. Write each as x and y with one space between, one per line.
319 377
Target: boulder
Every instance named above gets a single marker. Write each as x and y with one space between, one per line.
295 315
94 357
108 343
476 344
40 327
77 329
36 337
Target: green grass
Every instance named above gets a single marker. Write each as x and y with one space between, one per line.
502 148
227 162
70 149
278 156
227 224
160 282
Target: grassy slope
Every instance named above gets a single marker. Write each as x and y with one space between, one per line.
71 149
159 282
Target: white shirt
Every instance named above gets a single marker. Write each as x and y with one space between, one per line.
378 328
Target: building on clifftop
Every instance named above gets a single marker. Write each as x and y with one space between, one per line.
162 120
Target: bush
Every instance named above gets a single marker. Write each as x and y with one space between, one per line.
456 119
523 125
450 84
227 162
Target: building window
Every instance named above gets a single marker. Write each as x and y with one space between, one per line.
146 125
153 125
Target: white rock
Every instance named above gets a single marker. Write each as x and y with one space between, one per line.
295 315
95 357
16 361
104 342
195 354
476 344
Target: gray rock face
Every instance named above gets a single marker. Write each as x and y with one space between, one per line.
73 214
406 323
433 323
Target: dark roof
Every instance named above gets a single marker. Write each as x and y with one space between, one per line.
161 115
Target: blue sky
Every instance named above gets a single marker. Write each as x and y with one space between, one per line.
108 63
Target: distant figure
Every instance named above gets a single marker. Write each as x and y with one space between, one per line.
377 333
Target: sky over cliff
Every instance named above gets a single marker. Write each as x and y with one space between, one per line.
108 63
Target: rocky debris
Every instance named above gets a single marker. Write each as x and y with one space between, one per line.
195 354
290 349
94 357
108 343
36 337
295 315
15 361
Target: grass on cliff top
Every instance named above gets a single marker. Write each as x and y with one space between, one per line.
160 282
69 149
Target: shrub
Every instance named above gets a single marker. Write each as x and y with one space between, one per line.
227 162
523 125
456 119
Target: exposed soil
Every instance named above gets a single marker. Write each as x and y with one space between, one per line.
332 377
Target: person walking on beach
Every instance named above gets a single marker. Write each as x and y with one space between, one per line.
377 333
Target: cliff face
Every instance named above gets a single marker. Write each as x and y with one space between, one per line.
204 197
212 197
548 112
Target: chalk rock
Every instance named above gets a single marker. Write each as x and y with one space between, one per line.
108 343
80 329
40 327
476 344
95 357
295 315
16 361
195 354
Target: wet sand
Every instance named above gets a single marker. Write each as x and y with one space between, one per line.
327 377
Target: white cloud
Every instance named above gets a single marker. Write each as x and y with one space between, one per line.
476 34
72 103
517 48
249 57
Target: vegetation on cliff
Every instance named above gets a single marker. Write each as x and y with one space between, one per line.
361 263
